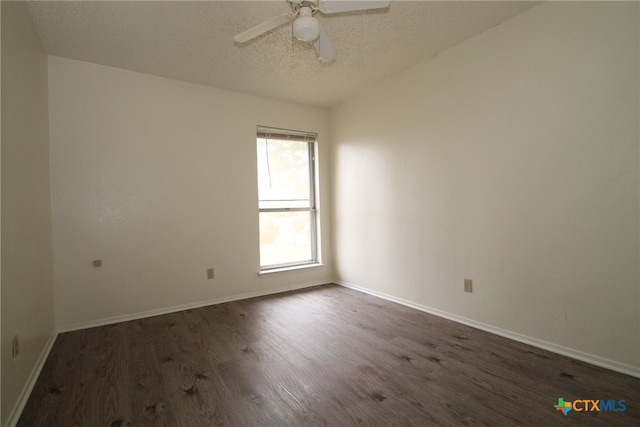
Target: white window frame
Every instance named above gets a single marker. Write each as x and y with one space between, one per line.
264 132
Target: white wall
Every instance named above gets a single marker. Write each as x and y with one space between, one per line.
27 278
511 159
157 178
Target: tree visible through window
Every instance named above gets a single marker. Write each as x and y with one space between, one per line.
287 202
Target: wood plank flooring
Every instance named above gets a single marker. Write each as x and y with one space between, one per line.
321 356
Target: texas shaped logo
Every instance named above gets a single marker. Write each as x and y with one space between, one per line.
563 406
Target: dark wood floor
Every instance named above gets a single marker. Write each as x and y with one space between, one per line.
322 356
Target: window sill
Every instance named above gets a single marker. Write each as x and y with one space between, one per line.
286 269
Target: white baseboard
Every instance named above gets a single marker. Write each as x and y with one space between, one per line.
554 348
14 416
176 308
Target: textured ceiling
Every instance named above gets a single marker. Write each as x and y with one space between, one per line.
193 41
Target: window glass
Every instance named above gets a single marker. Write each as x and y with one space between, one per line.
286 193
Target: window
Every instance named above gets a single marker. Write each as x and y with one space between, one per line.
286 198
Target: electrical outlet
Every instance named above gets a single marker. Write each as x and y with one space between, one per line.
15 346
209 273
468 285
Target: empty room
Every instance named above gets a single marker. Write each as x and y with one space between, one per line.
327 212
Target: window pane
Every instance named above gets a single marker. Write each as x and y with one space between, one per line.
285 237
283 171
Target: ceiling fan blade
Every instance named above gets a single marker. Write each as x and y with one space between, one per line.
324 48
260 29
339 6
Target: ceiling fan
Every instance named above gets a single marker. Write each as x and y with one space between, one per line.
307 28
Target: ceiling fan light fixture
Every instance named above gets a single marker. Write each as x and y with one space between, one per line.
306 28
